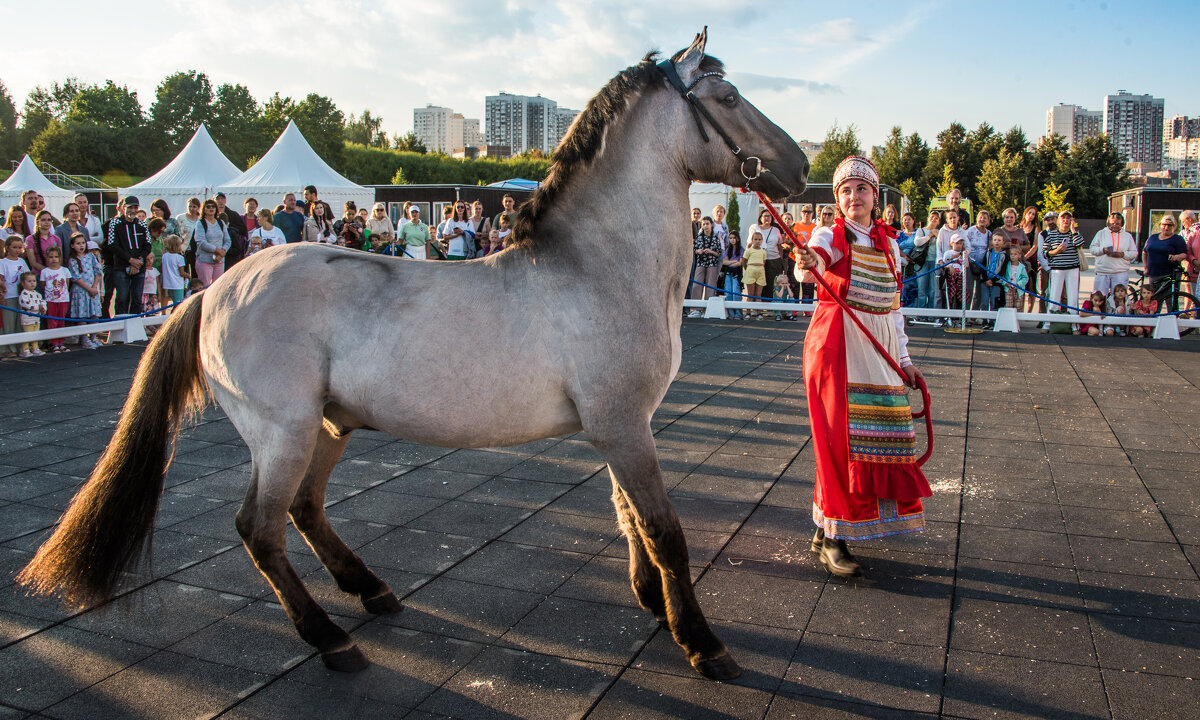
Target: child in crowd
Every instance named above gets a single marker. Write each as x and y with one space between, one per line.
255 245
31 302
12 266
995 260
732 265
1097 303
56 290
195 285
754 274
1118 304
505 230
150 286
174 269
1145 305
86 278
954 273
1017 275
783 293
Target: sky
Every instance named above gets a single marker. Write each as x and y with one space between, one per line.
919 65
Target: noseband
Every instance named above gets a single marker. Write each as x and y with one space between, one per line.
667 68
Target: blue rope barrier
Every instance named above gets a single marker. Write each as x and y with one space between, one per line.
800 301
93 320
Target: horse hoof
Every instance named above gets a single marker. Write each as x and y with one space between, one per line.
385 604
348 661
722 667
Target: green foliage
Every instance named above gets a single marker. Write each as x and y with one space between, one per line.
11 146
109 105
366 129
42 106
376 166
733 215
838 145
918 199
1054 197
89 148
1000 183
323 126
947 183
236 126
409 142
1093 170
182 102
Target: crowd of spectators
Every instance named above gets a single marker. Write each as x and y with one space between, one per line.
74 269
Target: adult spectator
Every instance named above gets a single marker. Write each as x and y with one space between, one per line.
925 251
237 232
39 243
720 227
29 203
805 225
1013 234
382 235
266 232
70 225
414 234
106 257
1061 248
290 220
213 241
1191 236
187 221
318 226
1049 220
510 210
310 197
129 243
954 200
771 238
1114 249
707 250
891 217
95 229
16 223
403 216
348 228
695 223
1164 252
160 209
825 217
456 232
250 216
979 239
480 224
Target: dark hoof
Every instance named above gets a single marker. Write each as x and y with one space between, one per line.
348 660
818 540
663 622
385 604
723 667
836 558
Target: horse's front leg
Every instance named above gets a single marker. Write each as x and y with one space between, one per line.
633 464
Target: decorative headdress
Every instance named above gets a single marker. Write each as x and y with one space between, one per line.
856 167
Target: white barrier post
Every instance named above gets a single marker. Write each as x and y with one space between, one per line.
1006 320
1167 328
715 309
134 330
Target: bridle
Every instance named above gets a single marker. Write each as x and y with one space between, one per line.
667 68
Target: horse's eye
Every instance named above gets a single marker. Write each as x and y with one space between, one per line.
730 99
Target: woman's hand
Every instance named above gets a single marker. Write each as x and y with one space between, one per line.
808 258
912 374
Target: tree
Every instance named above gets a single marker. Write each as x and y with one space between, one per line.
1093 170
366 129
1043 164
1054 197
323 126
236 125
409 143
42 106
11 146
918 198
947 182
838 145
182 102
108 105
1000 183
733 216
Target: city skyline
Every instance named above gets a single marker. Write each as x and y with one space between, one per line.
806 66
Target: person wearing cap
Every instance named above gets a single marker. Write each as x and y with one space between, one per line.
129 244
1060 246
413 234
868 482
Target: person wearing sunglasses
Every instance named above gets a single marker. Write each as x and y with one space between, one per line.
1164 252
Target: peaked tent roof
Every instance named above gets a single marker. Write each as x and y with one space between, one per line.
28 177
288 166
198 168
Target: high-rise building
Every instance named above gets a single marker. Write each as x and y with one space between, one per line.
1134 124
440 129
524 123
1074 123
1181 147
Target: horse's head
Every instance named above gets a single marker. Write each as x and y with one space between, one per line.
742 144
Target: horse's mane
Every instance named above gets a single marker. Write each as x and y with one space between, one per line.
585 139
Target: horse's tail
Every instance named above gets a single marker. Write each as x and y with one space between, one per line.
110 521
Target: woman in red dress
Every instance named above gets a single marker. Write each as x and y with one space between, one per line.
868 482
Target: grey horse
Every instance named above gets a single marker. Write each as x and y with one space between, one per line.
303 344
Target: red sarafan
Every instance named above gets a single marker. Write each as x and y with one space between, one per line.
299 366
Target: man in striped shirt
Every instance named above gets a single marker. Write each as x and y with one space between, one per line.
1061 248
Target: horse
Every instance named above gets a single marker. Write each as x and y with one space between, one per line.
303 344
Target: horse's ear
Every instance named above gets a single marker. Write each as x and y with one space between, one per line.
687 62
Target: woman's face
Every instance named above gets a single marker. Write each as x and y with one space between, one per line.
706 226
826 217
477 208
719 214
906 221
193 207
1031 216
934 219
1010 219
251 207
43 223
764 219
856 199
158 212
210 210
889 214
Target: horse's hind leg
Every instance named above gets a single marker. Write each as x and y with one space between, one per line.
633 463
643 574
278 467
308 514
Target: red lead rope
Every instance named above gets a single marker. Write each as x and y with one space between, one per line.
925 399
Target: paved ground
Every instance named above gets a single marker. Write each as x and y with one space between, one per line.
1058 576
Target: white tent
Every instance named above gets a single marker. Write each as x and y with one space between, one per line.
195 172
28 177
288 167
706 196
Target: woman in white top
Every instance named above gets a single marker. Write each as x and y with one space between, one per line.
770 242
187 221
458 232
319 227
266 230
380 227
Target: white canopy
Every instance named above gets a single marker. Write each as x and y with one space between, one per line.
28 177
706 196
288 167
195 172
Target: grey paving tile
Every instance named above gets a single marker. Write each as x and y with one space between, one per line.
291 699
757 599
464 610
652 695
521 567
563 531
1018 630
418 551
1147 524
364 473
473 519
160 615
906 677
1133 644
1143 695
528 494
809 708
258 637
995 686
428 482
1132 557
1038 584
388 508
1014 545
479 462
20 519
581 630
